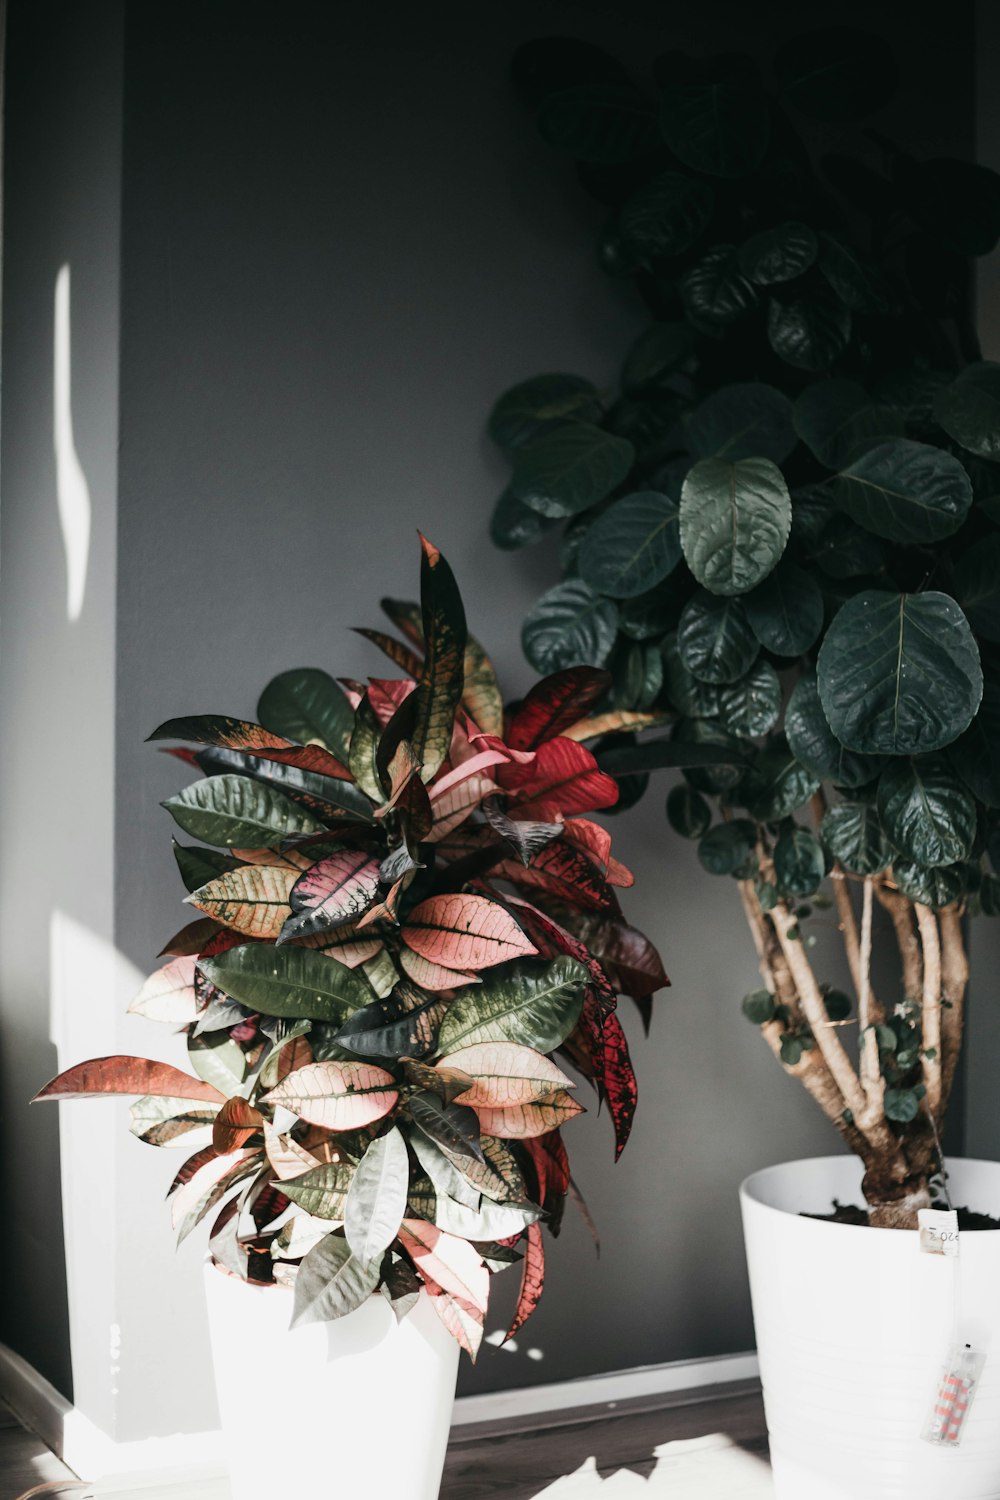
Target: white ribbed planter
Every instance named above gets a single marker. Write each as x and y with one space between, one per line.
852 1327
357 1408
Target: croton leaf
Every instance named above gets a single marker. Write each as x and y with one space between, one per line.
568 626
899 674
403 1024
533 1117
207 1188
191 939
329 798
969 409
337 1095
442 681
407 660
163 1121
446 1178
536 1004
215 729
464 1322
198 866
252 899
376 1201
296 982
778 254
527 409
748 420
734 522
103 1076
926 812
633 546
462 931
331 1282
720 127
570 468
532 1280
452 1126
505 1073
448 1262
906 492
433 976
523 836
563 779
562 871
168 994
481 697
237 812
555 703
363 749
489 1222
321 1190
333 893
307 705
347 945
234 1125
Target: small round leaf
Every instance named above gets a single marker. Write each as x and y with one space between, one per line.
569 626
906 492
633 546
715 640
666 216
786 610
569 469
836 73
730 849
808 333
799 862
969 410
749 420
715 292
720 127
779 254
734 519
687 811
752 705
524 412
853 835
758 1007
926 812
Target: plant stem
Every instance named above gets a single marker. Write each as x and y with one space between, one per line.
901 912
871 1073
930 1055
954 982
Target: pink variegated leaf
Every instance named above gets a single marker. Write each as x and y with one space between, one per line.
464 1321
554 704
337 1095
287 1158
551 1163
313 758
504 1073
207 1174
616 721
561 871
464 932
451 810
235 1123
168 994
282 861
532 1280
516 1122
208 1187
252 899
509 753
596 841
333 893
450 1262
385 911
103 1077
386 695
551 940
476 763
192 1165
431 976
563 779
347 945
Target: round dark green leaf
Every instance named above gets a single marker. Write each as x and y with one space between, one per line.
570 469
838 423
808 333
691 697
779 254
815 744
969 410
905 491
792 1048
749 420
976 755
799 862
657 353
648 616
776 785
899 674
860 285
527 409
637 671
758 1006
514 524
721 127
603 122
786 610
836 73
634 545
846 550
715 640
706 736
752 705
853 835
306 704
977 585
926 812
901 1105
838 1005
666 216
730 849
715 292
569 626
687 811
651 425
735 519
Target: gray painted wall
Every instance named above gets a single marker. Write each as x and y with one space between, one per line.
341 239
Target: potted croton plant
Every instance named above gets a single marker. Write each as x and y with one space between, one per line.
408 929
781 538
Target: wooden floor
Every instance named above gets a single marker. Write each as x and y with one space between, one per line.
522 1459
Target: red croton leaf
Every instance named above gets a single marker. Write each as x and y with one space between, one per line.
532 1280
563 779
408 661
554 704
333 893
446 1260
337 1095
234 1125
386 695
431 976
551 1162
191 939
627 954
561 871
223 732
596 842
464 932
616 1079
314 758
104 1076
616 721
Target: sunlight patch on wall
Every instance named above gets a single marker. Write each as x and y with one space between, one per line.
72 489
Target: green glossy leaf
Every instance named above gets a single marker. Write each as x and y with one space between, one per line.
687 811
634 545
808 333
814 743
218 1060
657 354
977 586
525 411
532 1002
239 813
296 982
846 550
666 216
450 1125
570 469
778 254
901 1105
730 849
401 1024
776 785
376 1201
598 122
752 705
969 409
715 639
758 1007
569 626
749 420
306 704
838 423
836 73
786 610
734 521
363 748
331 1283
858 283
720 127
853 834
936 886
442 680
976 755
322 1191
905 491
899 674
199 866
514 524
715 293
690 696
799 862
926 812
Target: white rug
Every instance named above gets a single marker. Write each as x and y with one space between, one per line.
706 1468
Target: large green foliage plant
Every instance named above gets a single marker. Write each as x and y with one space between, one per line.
780 536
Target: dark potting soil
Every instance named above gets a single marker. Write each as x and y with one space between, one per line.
850 1213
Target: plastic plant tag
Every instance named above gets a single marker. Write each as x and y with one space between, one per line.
938 1231
953 1399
